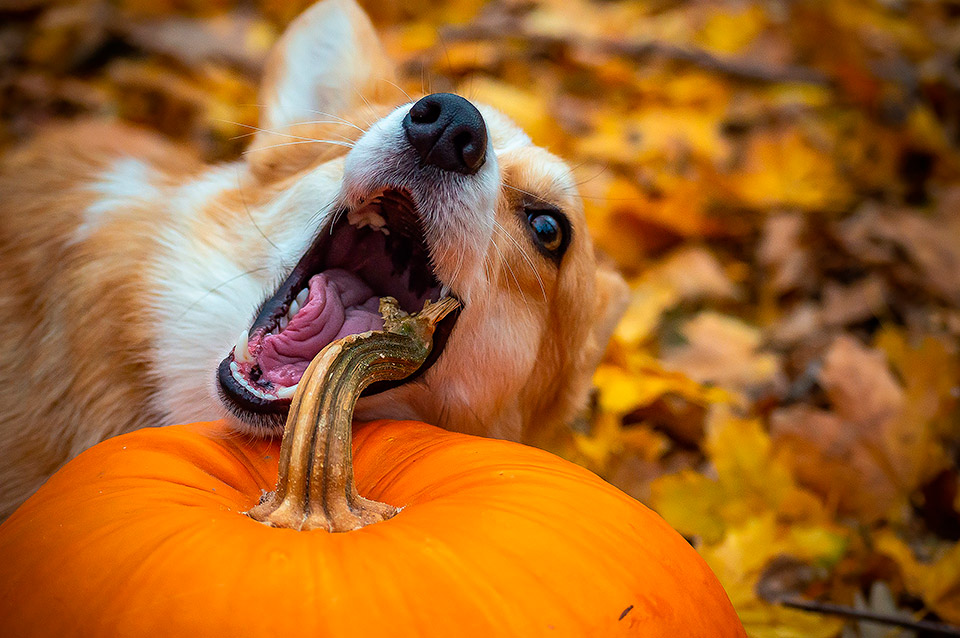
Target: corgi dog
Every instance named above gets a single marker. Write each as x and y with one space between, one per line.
141 288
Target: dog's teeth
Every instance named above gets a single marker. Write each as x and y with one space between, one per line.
444 291
241 352
294 309
235 369
282 325
364 217
302 297
375 220
286 393
246 384
357 218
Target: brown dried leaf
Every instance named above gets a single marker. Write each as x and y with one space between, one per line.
919 251
858 302
782 254
798 325
829 457
725 351
694 274
871 450
861 388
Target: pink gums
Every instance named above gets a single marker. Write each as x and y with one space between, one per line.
339 304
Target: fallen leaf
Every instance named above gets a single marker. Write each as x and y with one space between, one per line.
829 458
860 301
725 351
869 451
782 253
740 559
936 581
694 274
237 38
787 169
918 251
861 387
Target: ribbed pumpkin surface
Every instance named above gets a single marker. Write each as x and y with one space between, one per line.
142 536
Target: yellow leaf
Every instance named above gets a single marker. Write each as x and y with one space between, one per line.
786 169
627 222
648 302
601 444
656 135
640 380
729 31
937 582
691 503
644 441
742 555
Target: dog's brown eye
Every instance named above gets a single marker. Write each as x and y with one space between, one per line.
547 230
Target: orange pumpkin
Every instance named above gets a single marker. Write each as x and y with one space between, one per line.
144 535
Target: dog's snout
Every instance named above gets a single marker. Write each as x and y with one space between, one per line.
448 132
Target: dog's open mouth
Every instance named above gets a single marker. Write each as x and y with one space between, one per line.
374 251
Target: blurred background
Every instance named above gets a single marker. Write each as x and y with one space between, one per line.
777 179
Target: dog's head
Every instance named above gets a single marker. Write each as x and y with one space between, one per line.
435 196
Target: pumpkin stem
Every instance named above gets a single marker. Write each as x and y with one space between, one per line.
316 488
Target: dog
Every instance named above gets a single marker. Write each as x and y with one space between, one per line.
141 288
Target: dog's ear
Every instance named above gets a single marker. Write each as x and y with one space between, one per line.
612 297
327 66
327 60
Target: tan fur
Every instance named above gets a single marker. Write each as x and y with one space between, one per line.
81 303
73 358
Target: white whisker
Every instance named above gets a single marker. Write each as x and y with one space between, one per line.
243 200
369 108
275 132
398 87
334 142
504 261
316 216
526 258
339 119
520 190
257 129
602 170
216 290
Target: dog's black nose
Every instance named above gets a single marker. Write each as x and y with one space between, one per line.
448 132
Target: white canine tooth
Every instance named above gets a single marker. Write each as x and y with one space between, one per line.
302 297
283 323
241 352
294 309
286 393
444 291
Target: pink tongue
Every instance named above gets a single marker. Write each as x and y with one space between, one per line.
340 304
